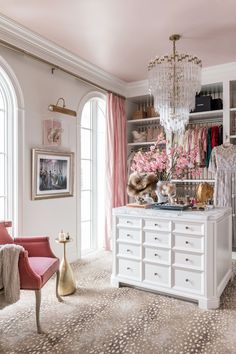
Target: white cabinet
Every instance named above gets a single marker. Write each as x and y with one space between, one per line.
184 254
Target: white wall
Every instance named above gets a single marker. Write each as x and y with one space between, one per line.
40 88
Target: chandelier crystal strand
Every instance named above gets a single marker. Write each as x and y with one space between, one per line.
174 81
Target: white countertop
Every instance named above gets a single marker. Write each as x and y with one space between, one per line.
212 214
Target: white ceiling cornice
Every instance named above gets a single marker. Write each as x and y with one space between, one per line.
19 36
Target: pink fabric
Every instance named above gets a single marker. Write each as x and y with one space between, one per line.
116 160
5 238
37 263
43 266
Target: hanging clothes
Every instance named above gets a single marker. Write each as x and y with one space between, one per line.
223 165
209 148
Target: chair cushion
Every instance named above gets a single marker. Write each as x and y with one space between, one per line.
5 238
45 267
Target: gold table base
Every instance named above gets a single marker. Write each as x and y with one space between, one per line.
67 284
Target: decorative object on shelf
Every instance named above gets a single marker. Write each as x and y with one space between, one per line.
141 184
139 137
52 174
61 109
204 192
61 236
166 192
52 132
174 81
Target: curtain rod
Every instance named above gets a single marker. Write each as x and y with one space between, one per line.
55 66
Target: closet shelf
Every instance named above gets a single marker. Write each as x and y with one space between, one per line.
232 109
232 136
192 180
215 114
143 120
145 143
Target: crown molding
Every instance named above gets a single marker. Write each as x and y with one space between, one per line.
29 41
21 37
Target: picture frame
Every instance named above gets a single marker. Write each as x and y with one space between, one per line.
52 174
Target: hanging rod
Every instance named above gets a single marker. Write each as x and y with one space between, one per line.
205 121
55 66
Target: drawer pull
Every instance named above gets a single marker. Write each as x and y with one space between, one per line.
186 227
156 254
187 243
186 259
187 280
128 250
128 235
156 238
156 224
155 274
129 222
128 268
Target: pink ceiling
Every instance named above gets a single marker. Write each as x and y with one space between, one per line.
121 36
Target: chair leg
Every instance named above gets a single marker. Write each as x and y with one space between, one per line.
38 303
57 283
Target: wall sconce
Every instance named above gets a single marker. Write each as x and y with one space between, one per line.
61 109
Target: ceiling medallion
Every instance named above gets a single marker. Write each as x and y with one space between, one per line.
174 80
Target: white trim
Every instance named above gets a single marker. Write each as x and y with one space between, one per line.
18 35
16 102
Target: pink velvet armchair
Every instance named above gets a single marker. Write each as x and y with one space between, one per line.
37 264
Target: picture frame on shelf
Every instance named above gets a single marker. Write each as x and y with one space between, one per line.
52 174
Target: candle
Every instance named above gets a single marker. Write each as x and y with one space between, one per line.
61 236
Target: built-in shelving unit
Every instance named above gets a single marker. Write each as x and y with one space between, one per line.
207 114
143 120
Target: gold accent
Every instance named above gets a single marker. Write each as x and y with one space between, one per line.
174 37
63 109
67 284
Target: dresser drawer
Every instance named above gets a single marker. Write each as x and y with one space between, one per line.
158 238
157 274
129 250
129 269
129 221
186 242
188 260
188 281
189 228
129 235
157 255
155 224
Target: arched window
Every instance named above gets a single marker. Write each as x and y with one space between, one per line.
8 147
92 155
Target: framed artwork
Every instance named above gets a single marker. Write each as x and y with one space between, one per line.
52 174
52 132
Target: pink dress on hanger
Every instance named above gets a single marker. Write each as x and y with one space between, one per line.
223 165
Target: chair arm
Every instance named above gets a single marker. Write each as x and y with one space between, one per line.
28 278
36 246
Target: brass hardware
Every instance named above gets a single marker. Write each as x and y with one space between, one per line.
174 37
61 109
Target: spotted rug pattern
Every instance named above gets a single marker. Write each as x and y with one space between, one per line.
99 319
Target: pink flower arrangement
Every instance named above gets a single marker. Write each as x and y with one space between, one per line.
174 164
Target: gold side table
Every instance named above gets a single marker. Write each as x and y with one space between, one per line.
66 284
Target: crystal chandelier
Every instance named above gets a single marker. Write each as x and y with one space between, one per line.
174 80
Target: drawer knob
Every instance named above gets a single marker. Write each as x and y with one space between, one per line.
186 259
128 222
186 242
128 250
155 274
155 238
156 254
128 268
187 280
186 227
128 235
156 224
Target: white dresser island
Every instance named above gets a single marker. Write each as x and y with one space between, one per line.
185 254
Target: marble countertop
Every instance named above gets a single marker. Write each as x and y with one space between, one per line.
212 214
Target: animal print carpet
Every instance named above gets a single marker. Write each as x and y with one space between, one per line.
99 319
